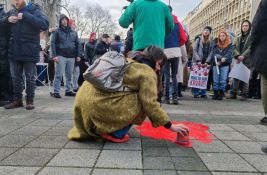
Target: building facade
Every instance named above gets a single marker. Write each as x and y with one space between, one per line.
216 13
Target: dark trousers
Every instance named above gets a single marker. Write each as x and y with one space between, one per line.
17 68
255 85
83 68
51 70
170 71
6 89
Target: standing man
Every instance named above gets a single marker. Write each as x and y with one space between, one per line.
65 51
5 77
152 21
259 52
25 21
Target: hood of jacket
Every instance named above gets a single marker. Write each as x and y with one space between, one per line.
175 19
61 17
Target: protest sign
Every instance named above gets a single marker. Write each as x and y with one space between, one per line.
199 76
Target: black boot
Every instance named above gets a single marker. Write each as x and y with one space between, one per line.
216 95
220 95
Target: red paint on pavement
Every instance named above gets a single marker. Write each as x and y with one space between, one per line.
198 132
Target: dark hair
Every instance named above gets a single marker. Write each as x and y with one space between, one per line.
154 54
249 23
170 7
117 38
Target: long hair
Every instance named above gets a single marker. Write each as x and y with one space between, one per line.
250 25
154 54
91 37
226 42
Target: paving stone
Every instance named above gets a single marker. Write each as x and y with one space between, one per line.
45 122
120 159
193 173
65 171
17 121
132 144
159 172
159 163
66 123
30 157
216 146
262 127
30 130
48 142
58 131
229 173
245 147
259 137
156 151
229 135
4 129
15 140
148 142
258 161
75 158
219 127
4 152
5 170
84 145
182 152
188 164
225 162
116 172
247 128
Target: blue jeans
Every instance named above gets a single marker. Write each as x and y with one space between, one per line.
220 81
172 64
199 91
75 78
65 65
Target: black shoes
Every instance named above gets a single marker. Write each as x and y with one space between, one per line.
55 95
175 101
264 149
70 94
264 121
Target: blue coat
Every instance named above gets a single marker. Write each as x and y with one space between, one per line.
24 43
172 40
226 53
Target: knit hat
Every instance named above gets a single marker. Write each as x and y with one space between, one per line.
208 28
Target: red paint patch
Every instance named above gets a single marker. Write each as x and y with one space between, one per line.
197 132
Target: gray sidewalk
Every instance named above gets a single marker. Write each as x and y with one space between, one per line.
34 142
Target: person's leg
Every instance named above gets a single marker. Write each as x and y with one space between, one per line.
174 71
30 74
264 97
196 92
210 80
76 74
68 73
203 93
51 70
216 78
244 91
16 69
235 85
167 81
59 71
223 81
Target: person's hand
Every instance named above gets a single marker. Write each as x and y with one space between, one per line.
223 60
56 59
20 15
13 19
78 59
207 65
180 128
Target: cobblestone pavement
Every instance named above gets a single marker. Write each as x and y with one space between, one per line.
34 142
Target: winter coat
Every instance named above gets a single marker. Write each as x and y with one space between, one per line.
245 51
226 53
198 50
173 39
259 39
24 43
89 51
65 42
100 112
4 37
152 21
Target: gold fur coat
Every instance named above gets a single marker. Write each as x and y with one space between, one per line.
100 112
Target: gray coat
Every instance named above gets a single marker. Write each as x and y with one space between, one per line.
198 50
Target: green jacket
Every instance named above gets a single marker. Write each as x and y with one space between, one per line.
152 21
245 51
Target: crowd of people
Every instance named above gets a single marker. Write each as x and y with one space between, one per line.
158 56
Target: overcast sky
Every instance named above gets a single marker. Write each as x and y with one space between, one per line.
181 7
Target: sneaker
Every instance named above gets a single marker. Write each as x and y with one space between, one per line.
14 104
204 96
55 95
30 105
114 139
175 101
264 121
70 94
264 148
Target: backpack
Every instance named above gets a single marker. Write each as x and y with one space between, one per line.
107 72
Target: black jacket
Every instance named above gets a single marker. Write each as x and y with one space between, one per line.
89 51
226 53
259 39
24 43
101 48
4 36
64 42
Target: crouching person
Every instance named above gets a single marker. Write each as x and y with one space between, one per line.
110 115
